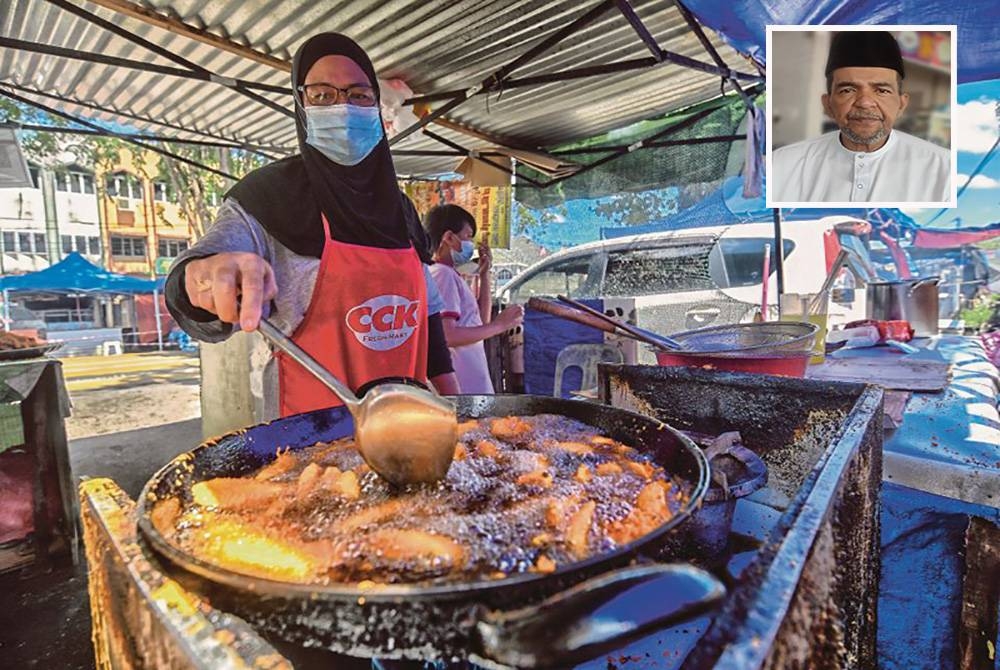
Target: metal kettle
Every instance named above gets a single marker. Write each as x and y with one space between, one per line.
914 300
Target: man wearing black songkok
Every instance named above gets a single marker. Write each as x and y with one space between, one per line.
866 160
327 237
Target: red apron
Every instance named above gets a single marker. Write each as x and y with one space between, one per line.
367 319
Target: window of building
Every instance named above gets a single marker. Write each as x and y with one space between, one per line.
61 183
36 175
128 247
81 244
9 242
113 184
95 245
161 191
171 248
88 183
67 244
123 185
40 246
24 243
76 182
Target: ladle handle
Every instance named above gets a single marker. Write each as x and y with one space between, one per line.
285 344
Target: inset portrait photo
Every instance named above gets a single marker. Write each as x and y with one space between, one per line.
861 116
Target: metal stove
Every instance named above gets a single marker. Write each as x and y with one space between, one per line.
800 560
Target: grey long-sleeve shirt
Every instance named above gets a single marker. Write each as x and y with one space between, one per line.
235 229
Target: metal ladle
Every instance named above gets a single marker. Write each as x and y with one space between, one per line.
405 434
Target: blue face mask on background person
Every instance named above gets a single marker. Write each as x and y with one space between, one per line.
463 255
345 134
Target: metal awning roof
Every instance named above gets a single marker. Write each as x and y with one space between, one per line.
49 53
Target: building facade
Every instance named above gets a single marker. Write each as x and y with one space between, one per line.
42 223
144 227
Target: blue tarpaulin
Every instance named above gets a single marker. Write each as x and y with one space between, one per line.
743 24
76 274
726 207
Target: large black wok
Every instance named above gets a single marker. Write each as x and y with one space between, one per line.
593 605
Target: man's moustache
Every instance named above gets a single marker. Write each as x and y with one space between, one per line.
856 117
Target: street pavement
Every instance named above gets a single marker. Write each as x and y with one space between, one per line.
90 373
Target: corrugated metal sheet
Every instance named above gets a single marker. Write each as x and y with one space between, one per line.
433 45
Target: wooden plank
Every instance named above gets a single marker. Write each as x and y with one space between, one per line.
178 27
892 373
980 596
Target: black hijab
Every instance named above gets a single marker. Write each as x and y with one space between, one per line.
362 203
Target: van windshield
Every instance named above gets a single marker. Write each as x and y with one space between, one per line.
567 278
743 260
671 269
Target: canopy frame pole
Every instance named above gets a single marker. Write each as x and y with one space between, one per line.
156 313
121 136
258 149
705 42
6 309
134 136
590 71
239 85
640 28
129 64
152 17
454 145
779 257
651 145
691 120
496 80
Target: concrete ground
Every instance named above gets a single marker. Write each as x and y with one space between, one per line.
44 616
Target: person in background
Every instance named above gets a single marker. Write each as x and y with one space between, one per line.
866 160
466 317
329 238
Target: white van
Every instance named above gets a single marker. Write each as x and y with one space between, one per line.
685 279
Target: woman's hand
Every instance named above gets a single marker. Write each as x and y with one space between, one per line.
233 285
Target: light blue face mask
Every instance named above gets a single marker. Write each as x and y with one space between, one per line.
345 134
463 255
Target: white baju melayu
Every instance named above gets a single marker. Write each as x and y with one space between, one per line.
904 169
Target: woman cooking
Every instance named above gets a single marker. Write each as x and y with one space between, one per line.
327 236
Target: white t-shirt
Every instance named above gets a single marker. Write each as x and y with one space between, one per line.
904 169
460 304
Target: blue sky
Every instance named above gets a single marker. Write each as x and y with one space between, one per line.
974 130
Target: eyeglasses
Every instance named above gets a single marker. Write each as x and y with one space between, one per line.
327 94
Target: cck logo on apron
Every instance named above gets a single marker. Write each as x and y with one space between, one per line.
384 322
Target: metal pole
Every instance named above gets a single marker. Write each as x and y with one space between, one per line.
123 137
6 309
156 311
779 256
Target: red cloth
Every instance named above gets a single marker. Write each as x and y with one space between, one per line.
945 239
367 319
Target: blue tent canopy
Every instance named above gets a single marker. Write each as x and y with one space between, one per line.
742 24
76 274
726 206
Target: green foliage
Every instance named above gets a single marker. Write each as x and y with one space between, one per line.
980 312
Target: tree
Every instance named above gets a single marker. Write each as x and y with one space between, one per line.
197 190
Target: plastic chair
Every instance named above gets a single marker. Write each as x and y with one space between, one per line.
586 357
